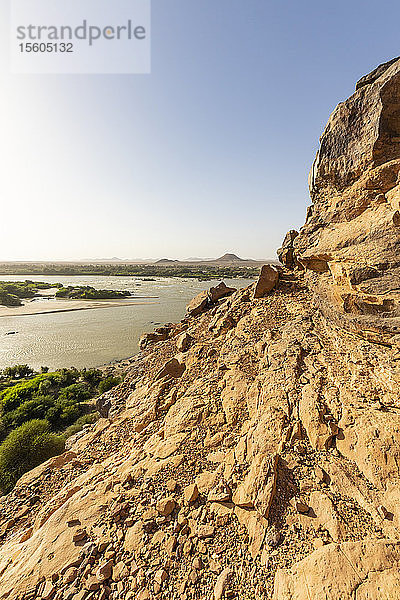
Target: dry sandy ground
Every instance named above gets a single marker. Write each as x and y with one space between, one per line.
37 307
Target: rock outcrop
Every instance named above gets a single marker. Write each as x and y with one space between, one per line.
350 244
252 450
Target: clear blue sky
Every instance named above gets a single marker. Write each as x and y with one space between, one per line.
210 153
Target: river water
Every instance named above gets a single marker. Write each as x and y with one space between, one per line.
94 337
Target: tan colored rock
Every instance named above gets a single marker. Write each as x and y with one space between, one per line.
354 189
221 584
134 537
286 252
48 591
161 576
234 395
320 432
326 515
191 493
184 341
105 570
92 584
336 571
173 368
198 304
205 531
258 488
166 506
300 506
266 282
183 415
171 485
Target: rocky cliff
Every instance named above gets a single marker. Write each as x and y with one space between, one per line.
253 450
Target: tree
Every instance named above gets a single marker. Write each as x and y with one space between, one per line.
25 448
18 371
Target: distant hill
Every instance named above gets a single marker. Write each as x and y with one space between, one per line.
229 258
166 261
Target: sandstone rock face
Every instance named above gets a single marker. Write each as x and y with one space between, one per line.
350 244
263 460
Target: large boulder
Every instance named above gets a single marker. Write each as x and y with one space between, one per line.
266 282
286 252
208 298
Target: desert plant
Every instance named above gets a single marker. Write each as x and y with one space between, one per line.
25 448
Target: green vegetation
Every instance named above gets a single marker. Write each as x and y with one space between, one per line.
85 292
202 272
25 448
39 411
12 292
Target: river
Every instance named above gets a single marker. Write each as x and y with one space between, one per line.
95 337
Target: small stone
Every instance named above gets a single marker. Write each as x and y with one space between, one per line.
191 493
267 280
48 591
205 531
197 563
273 537
318 543
157 588
382 511
120 571
193 576
171 485
150 514
215 566
70 575
221 584
187 547
92 584
221 493
170 545
183 342
105 571
201 547
160 576
320 475
300 506
166 506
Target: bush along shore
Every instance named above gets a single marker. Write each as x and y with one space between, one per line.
86 292
40 411
12 293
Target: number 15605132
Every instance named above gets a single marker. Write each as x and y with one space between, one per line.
46 47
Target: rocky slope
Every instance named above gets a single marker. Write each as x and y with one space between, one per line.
253 450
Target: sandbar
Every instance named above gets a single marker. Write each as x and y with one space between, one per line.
38 307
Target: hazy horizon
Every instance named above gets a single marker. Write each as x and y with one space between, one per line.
210 151
142 259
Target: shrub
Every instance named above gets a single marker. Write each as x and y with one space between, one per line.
25 448
29 410
92 376
108 383
18 371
